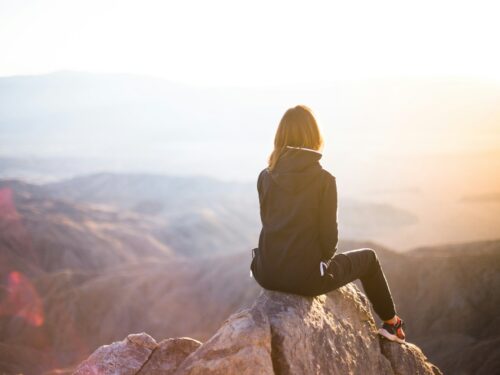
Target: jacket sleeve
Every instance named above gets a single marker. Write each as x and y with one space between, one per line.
328 219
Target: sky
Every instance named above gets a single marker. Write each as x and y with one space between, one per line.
252 43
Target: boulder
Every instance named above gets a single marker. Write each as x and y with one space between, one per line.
281 333
169 354
124 357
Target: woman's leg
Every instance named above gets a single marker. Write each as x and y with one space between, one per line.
364 264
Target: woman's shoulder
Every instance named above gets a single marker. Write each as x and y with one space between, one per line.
328 176
262 173
261 176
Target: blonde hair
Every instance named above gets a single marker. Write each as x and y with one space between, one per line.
297 128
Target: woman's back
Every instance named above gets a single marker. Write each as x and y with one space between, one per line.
298 221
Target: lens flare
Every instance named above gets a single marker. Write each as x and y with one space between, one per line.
22 300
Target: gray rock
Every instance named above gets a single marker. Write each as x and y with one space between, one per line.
407 359
241 346
124 357
168 355
281 333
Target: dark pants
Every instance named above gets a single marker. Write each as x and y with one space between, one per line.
362 264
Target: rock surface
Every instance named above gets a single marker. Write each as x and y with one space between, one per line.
280 333
138 354
169 354
407 359
124 357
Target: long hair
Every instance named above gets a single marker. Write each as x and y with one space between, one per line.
297 128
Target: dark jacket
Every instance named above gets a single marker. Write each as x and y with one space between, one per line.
298 209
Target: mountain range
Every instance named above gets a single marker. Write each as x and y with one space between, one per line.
84 267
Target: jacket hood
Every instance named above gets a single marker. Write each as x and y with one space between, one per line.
296 169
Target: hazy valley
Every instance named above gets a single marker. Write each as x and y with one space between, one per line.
85 264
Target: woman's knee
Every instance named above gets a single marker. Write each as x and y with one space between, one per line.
371 254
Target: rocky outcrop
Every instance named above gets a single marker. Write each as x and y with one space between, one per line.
168 355
280 333
138 354
407 359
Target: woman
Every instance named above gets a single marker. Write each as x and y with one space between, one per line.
299 236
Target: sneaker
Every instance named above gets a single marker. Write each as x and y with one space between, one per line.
393 332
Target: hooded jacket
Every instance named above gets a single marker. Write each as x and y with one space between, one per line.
298 210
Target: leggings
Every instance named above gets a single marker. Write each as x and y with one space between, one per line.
362 264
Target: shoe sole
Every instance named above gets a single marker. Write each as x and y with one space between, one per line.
390 336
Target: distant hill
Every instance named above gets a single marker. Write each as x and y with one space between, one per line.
191 216
450 297
201 216
216 216
39 234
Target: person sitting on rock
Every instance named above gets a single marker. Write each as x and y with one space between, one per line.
297 249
